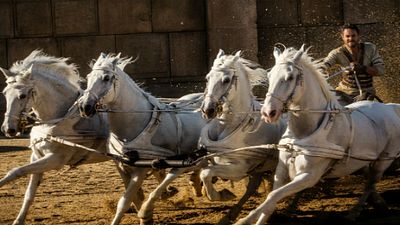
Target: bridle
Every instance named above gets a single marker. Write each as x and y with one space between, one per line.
24 116
224 98
98 99
298 83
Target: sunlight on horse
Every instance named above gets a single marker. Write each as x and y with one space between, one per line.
324 139
141 127
48 86
236 122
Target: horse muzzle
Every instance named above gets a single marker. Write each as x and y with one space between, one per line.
270 115
87 110
209 110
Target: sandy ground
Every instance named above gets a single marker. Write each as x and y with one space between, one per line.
88 194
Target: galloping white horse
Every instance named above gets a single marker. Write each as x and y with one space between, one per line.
49 86
236 122
140 125
323 138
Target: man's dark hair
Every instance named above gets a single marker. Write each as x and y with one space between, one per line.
350 26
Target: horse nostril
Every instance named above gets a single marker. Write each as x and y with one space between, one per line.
87 108
210 112
272 113
11 131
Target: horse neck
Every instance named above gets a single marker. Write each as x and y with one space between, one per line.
303 124
135 109
53 97
240 100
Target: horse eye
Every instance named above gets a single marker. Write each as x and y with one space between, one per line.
22 96
226 80
106 78
290 77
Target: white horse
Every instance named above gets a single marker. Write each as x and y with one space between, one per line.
141 126
49 86
323 138
236 122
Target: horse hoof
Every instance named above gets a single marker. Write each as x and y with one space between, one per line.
171 191
227 195
224 221
242 222
148 221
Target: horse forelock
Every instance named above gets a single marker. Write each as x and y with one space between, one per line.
109 59
256 75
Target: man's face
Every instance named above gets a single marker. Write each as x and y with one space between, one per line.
350 38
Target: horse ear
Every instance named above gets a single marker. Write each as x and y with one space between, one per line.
277 52
299 53
237 55
6 72
220 53
30 71
103 55
115 62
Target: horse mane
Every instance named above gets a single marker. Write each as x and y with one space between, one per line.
255 73
111 58
314 66
69 70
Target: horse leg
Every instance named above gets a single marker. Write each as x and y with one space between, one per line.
146 211
252 185
207 174
264 211
195 183
48 162
125 174
373 174
169 190
30 193
130 195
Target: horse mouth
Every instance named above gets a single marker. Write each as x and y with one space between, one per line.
87 110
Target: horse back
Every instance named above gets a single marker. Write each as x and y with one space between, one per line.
376 128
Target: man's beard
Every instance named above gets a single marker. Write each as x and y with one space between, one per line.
352 44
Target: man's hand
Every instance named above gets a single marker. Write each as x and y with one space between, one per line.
358 68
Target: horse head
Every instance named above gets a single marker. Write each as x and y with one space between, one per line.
285 83
101 83
220 80
33 79
18 94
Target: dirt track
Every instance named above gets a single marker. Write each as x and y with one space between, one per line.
88 194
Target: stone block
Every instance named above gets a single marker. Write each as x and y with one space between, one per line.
33 18
323 39
18 49
6 19
75 17
89 47
166 88
277 13
371 11
321 12
178 15
267 38
232 40
188 54
124 16
153 52
3 54
232 14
